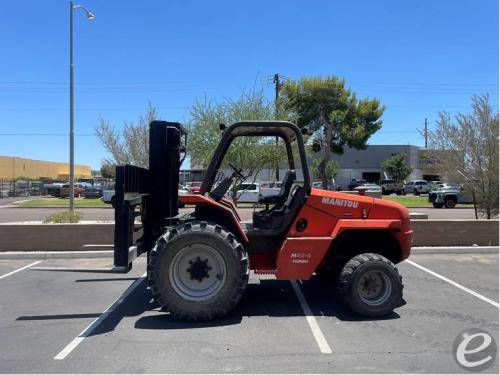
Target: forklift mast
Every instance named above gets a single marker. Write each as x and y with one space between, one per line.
149 193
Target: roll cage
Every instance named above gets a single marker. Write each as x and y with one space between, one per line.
283 129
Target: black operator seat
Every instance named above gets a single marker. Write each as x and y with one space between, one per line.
286 186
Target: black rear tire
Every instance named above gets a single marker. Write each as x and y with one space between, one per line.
366 273
170 281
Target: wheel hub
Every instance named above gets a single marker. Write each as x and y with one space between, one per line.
370 284
197 272
198 269
374 288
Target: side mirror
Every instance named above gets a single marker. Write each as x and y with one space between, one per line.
304 130
222 127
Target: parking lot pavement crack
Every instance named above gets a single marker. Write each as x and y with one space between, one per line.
385 352
450 315
391 329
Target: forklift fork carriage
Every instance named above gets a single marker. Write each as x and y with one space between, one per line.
150 193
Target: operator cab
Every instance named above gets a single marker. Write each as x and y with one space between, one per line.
224 173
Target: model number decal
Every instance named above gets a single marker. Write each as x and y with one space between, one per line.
300 257
339 202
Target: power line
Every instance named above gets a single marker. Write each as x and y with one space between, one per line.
48 109
89 109
93 135
46 134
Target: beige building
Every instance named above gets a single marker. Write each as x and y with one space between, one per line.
13 167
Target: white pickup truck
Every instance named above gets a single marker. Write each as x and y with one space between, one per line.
108 196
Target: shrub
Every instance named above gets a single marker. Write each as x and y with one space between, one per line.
64 217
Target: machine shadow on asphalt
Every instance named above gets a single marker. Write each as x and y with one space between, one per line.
272 298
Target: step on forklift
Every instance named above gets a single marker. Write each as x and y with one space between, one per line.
199 263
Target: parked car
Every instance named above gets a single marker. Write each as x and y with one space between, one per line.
391 186
77 191
193 187
94 191
53 189
182 191
108 196
417 187
355 183
247 193
268 189
369 187
317 185
449 196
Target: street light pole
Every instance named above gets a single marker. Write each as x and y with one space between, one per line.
90 16
71 116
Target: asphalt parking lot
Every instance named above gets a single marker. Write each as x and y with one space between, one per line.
54 318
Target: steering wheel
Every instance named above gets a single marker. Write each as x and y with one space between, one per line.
238 172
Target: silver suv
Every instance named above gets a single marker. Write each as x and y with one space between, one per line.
417 187
449 195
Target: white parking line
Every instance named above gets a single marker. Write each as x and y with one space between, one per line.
311 320
454 283
88 330
19 269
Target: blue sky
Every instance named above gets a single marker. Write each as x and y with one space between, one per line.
417 57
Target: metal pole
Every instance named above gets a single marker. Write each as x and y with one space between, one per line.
71 124
276 98
425 132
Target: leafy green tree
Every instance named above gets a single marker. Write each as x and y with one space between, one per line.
467 149
331 170
108 170
252 154
396 167
334 115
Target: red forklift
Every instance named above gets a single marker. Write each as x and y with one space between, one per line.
199 262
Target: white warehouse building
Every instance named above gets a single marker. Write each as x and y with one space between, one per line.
367 164
363 165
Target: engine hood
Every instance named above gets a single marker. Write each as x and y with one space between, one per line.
340 205
385 209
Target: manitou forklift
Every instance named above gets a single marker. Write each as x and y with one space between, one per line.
199 263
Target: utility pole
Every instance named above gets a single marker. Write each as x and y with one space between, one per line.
71 116
90 16
277 88
426 132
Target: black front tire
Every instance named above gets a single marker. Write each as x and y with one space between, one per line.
449 203
352 282
332 268
177 240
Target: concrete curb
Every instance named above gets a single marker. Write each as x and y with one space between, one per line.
25 255
455 250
